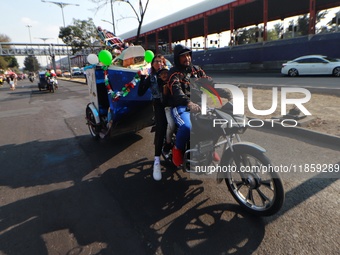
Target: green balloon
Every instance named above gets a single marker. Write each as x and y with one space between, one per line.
105 57
148 56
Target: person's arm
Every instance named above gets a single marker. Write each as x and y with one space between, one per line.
177 94
144 84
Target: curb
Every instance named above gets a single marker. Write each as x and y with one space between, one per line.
76 81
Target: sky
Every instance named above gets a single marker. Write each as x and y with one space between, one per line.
45 19
29 20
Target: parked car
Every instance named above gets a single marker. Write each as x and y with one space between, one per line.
312 65
76 71
58 72
66 74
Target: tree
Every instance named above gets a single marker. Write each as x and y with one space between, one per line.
138 12
78 35
245 36
332 24
272 34
139 15
3 61
31 64
276 32
12 62
303 25
303 22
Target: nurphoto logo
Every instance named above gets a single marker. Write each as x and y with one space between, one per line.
238 100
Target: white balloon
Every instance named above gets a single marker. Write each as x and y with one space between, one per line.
92 59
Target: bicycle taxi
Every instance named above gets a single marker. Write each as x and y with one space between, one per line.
115 107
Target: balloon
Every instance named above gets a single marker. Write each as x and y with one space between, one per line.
105 57
148 56
92 59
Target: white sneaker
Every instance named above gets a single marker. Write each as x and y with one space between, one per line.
157 174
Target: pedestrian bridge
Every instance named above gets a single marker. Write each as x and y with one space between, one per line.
35 49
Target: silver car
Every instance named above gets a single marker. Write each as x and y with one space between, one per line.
312 65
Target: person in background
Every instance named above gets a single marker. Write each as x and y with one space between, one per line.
150 81
12 79
48 73
54 75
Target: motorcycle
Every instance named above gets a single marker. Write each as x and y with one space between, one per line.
52 84
31 78
242 166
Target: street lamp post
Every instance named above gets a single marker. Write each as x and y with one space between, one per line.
29 32
44 39
62 5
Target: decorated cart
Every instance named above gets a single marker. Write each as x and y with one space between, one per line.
115 107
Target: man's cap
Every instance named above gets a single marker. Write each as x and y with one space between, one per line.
185 51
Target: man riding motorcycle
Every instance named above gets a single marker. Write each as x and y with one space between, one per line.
181 90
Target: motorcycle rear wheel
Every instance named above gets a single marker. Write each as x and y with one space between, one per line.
258 192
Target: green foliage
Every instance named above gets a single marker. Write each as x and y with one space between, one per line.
272 35
250 35
12 62
79 34
4 60
3 63
31 64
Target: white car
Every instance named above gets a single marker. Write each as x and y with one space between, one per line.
75 71
312 65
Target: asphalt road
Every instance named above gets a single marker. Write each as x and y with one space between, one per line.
64 193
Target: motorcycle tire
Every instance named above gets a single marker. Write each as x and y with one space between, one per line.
50 88
258 192
93 128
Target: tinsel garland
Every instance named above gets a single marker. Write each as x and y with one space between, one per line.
123 92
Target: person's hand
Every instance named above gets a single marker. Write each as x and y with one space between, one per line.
144 71
194 107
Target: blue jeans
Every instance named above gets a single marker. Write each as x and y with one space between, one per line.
182 119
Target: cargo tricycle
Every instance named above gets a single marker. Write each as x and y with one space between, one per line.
115 107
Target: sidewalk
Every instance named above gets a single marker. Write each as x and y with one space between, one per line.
74 79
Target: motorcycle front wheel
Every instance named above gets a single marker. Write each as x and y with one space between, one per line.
51 88
257 191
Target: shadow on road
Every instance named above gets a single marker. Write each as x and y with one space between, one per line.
200 229
122 211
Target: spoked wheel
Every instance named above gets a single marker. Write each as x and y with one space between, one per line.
336 71
259 192
293 72
91 122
